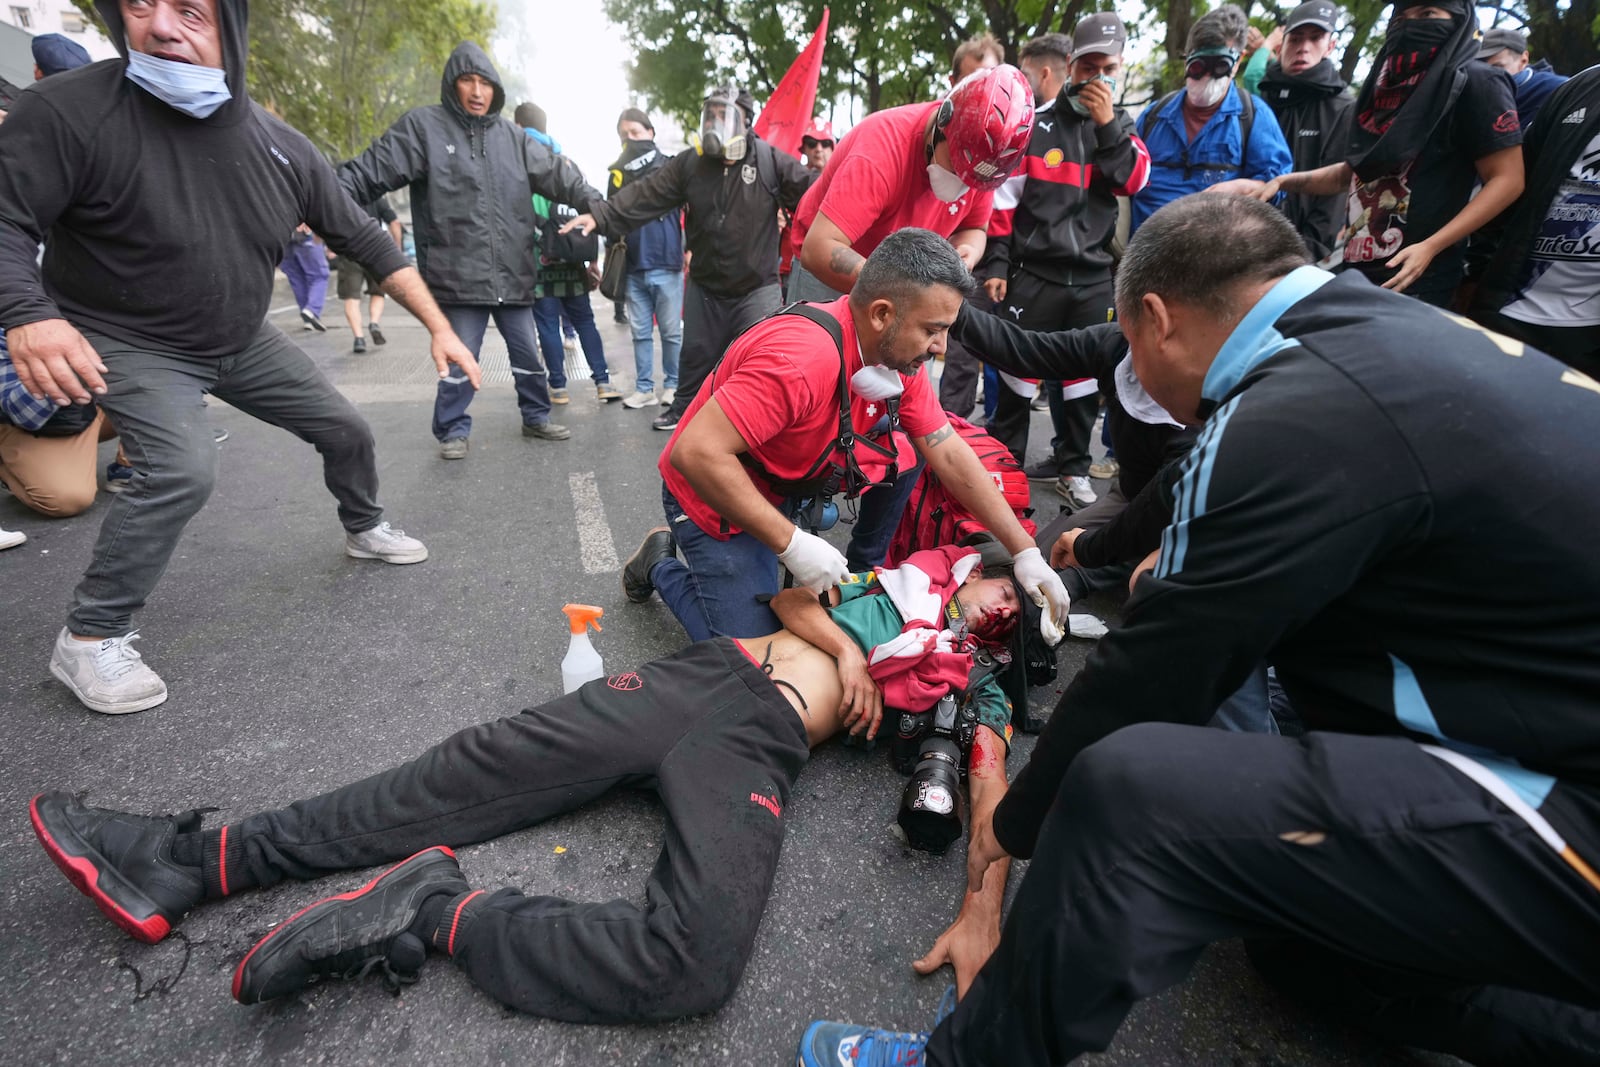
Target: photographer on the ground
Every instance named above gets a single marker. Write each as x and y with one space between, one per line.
720 731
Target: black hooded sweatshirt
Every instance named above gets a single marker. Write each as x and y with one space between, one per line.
472 178
161 230
1313 109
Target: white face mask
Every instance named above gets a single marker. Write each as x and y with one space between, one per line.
1206 91
946 186
876 383
192 89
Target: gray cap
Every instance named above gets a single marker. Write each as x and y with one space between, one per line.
1313 13
1499 40
1099 34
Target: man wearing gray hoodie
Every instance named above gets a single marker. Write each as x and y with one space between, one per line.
472 172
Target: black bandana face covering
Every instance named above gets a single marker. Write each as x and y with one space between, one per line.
1414 42
1419 71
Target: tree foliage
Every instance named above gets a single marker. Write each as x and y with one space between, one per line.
341 71
890 52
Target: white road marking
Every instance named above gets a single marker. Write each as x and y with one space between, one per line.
598 551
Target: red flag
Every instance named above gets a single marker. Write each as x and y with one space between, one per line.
788 112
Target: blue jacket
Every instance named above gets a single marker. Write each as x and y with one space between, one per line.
657 245
1217 145
1534 86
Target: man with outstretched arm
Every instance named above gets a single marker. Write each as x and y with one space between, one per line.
164 196
719 732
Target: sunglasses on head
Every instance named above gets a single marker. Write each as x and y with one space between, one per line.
1209 67
810 142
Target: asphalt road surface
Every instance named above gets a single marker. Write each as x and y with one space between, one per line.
294 669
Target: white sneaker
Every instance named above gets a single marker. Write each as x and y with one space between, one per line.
668 396
386 543
13 538
569 345
107 676
1077 490
640 400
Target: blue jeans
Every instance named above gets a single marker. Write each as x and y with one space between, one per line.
450 418
655 295
713 589
547 312
878 517
1247 710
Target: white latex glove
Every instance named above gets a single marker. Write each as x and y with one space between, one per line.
1043 585
816 564
1087 626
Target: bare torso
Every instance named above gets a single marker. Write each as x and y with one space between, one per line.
812 673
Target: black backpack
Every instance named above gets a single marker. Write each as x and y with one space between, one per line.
574 247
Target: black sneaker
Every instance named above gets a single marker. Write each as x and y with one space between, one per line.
546 431
359 346
656 546
1047 470
122 862
309 317
665 421
348 935
377 334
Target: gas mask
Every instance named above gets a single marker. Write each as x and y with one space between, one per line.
1207 74
722 127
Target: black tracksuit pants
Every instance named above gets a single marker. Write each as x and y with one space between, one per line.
1041 305
1370 877
710 324
705 729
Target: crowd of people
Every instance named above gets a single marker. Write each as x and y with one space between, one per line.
1326 326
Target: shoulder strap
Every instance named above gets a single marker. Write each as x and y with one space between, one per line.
767 167
1152 111
1247 120
821 318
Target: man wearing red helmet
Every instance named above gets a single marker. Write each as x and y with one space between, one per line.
933 166
816 144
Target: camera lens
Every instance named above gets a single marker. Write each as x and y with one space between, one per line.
930 807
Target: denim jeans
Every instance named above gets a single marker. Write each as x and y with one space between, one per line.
655 296
547 313
713 589
1247 711
469 321
156 401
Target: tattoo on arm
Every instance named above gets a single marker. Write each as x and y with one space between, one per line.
938 435
845 260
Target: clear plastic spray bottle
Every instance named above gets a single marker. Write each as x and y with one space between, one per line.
582 662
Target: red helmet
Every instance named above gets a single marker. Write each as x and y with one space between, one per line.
987 118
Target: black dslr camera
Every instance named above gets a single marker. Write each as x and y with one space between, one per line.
934 747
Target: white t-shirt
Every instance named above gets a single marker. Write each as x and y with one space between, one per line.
1563 287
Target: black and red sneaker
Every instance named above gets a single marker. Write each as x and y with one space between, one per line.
121 861
351 934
